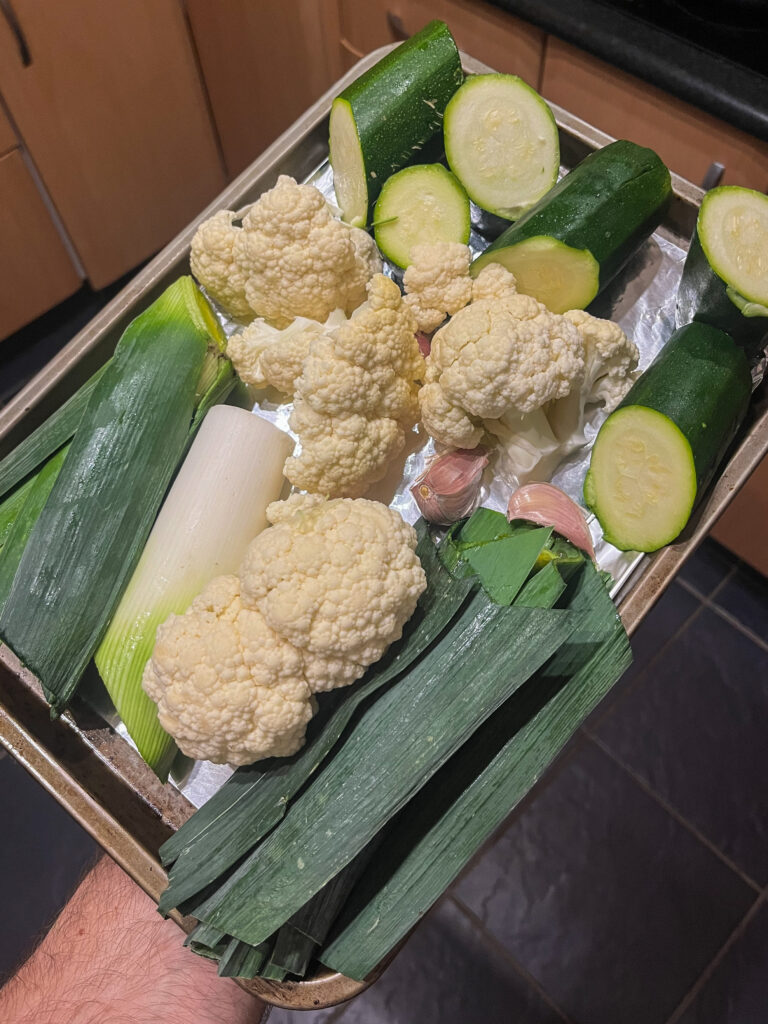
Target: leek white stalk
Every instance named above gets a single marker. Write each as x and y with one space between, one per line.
215 508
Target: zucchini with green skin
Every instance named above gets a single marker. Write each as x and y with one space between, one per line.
725 279
385 118
502 144
575 240
420 205
655 455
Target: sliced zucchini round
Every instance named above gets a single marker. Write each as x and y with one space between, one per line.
554 273
641 482
733 231
501 142
420 204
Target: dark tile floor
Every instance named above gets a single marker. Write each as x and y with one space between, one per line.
631 888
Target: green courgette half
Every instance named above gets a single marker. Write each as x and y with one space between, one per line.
418 205
575 240
384 120
501 142
655 455
725 279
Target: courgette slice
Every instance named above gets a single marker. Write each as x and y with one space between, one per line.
655 455
604 208
725 279
501 142
384 119
418 205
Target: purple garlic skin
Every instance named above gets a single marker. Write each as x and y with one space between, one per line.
547 505
449 488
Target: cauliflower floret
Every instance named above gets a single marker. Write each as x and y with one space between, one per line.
319 597
228 688
345 598
212 260
507 352
356 397
437 282
291 257
447 422
611 359
262 354
493 282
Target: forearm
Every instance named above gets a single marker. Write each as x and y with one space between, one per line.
110 959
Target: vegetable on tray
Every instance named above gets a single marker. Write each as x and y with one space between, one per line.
725 279
655 455
420 205
292 859
387 117
140 416
574 241
502 144
215 508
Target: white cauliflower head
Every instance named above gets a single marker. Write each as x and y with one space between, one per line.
437 282
262 354
291 257
319 597
356 397
611 359
227 687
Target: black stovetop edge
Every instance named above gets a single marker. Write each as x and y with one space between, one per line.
729 91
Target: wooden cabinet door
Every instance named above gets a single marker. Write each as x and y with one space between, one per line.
500 40
36 271
264 63
113 113
741 528
8 140
687 139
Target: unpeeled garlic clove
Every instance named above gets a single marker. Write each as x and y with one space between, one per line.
450 486
425 343
547 505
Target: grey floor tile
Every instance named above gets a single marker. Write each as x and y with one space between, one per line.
675 607
745 596
609 903
737 990
447 975
43 855
695 729
708 567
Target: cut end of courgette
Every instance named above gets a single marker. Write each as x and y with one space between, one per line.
420 205
346 156
733 231
556 274
501 142
641 483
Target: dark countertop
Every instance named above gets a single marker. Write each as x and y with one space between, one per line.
716 84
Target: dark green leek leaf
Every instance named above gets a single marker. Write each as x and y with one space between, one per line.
504 565
255 798
11 506
543 588
402 739
239 960
441 829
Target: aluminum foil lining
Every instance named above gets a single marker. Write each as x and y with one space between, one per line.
642 301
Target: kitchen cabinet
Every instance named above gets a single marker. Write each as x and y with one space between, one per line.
741 528
264 63
500 40
36 270
113 113
686 138
8 140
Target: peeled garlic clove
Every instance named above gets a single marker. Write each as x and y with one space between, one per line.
450 486
547 505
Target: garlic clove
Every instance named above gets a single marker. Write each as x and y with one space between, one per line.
449 488
425 342
547 505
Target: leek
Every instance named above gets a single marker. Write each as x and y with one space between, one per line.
439 831
433 710
215 508
128 442
255 798
11 506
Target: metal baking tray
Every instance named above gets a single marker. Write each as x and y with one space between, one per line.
88 766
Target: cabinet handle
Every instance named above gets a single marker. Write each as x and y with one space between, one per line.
396 26
16 29
713 176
